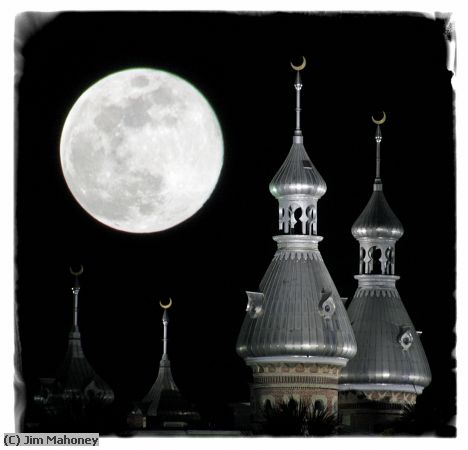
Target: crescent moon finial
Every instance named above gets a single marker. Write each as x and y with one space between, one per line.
166 306
298 68
77 273
381 121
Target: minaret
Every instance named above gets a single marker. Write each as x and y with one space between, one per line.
76 378
296 335
164 406
390 368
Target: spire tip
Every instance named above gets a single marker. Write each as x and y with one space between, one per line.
166 306
300 67
381 121
79 271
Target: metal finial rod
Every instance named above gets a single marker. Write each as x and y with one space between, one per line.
298 86
76 290
75 306
378 139
165 321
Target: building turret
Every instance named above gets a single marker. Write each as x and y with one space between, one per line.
164 406
298 185
76 379
78 398
390 367
296 335
377 228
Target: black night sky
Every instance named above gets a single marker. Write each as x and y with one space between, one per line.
358 65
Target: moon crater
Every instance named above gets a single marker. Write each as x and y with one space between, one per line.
141 150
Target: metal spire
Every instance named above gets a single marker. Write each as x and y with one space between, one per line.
165 321
378 139
298 138
164 404
76 291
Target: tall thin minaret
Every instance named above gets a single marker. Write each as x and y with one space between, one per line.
390 367
76 378
164 406
296 335
76 291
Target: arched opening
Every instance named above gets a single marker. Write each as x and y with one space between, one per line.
311 227
297 227
375 265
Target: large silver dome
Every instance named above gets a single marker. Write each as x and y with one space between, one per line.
300 313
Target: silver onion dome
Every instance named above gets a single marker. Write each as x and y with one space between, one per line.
377 220
390 354
298 176
298 312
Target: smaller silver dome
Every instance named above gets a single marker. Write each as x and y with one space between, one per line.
390 351
298 176
76 377
377 220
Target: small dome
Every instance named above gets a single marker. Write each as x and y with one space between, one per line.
77 378
377 220
297 175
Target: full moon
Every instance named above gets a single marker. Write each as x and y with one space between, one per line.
141 150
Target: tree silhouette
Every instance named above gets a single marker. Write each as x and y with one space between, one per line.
297 418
